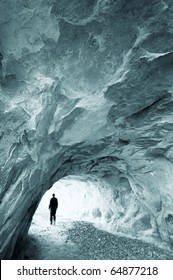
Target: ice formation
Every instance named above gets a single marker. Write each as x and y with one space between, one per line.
86 90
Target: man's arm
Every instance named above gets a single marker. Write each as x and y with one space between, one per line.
50 204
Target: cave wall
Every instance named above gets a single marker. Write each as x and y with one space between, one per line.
86 88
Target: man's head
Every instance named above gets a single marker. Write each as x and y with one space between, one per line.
53 195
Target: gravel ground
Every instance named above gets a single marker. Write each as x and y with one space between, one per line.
100 245
82 241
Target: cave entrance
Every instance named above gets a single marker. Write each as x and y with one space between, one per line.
79 199
85 205
87 217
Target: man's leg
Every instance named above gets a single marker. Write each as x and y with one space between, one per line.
50 217
54 217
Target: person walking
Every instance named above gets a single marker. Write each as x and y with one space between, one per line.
53 205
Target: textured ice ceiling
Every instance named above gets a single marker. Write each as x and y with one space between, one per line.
86 89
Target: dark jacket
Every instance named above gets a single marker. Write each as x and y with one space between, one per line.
53 203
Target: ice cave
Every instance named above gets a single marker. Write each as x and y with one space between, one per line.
86 96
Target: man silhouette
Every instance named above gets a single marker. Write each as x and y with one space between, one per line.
53 207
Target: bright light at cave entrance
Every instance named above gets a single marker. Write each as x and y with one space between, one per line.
78 200
95 202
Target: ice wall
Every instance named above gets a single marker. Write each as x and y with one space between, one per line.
86 89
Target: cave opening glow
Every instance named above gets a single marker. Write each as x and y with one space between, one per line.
79 199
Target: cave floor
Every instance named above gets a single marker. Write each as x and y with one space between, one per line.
82 241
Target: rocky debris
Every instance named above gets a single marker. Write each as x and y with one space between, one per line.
83 241
98 244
